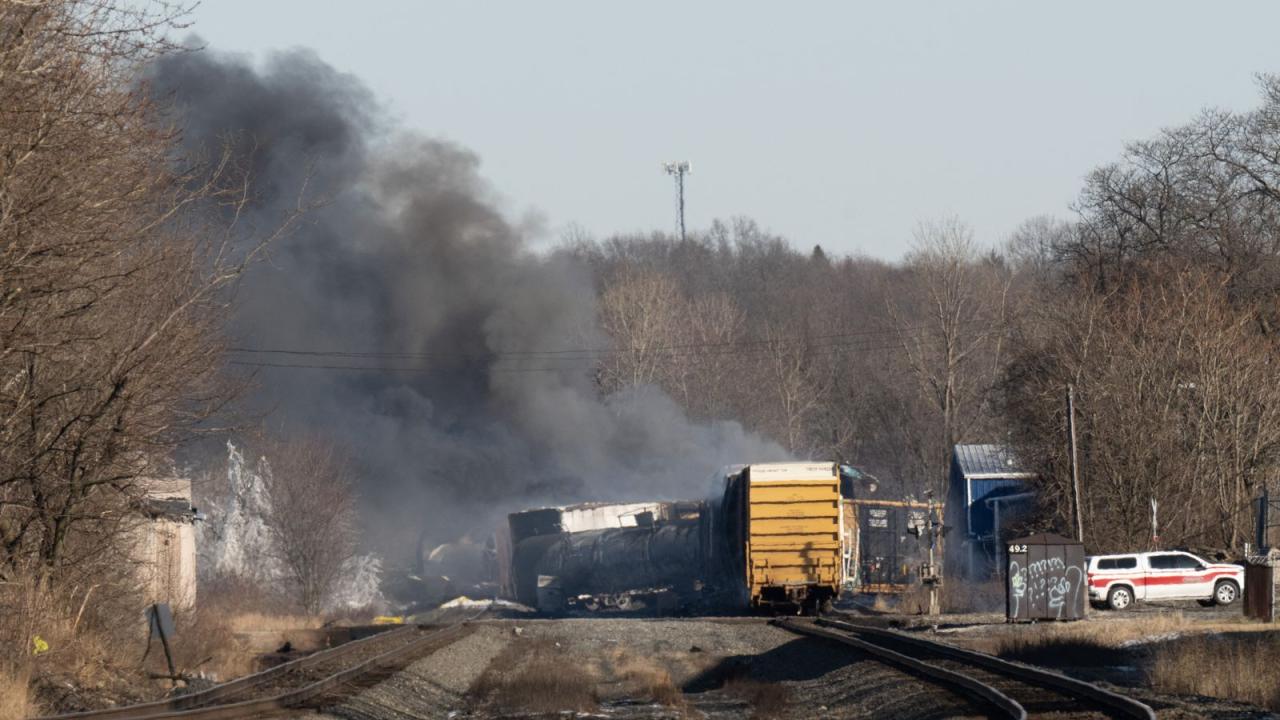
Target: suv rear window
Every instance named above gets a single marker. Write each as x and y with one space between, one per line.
1124 563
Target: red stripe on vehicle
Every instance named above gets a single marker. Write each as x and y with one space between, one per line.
1144 580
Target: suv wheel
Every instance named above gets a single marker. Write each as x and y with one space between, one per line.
1119 598
1225 592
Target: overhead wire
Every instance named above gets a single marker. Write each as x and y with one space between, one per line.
571 363
587 353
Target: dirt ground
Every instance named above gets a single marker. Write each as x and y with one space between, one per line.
1122 649
631 668
647 668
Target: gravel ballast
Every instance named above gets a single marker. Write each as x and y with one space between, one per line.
651 668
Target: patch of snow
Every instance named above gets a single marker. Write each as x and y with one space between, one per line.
1163 637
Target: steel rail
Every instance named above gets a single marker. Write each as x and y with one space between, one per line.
1114 702
970 688
205 703
232 687
299 696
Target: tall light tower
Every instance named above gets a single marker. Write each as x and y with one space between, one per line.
679 169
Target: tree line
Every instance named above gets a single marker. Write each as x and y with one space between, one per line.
118 262
1155 300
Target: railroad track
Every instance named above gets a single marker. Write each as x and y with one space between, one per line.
1011 690
296 683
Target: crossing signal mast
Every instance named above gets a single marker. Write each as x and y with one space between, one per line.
678 170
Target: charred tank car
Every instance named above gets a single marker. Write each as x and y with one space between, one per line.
774 538
598 556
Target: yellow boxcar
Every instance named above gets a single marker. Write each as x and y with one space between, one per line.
788 520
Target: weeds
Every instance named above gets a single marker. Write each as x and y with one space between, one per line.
1029 642
15 695
650 679
1228 659
534 677
960 597
768 699
1233 666
56 632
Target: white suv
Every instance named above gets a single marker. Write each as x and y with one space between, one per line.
1119 580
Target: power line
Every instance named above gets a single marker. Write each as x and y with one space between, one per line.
380 368
817 349
593 353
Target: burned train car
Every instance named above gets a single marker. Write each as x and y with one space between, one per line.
780 534
606 555
887 544
773 539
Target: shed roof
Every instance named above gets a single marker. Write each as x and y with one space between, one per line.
988 461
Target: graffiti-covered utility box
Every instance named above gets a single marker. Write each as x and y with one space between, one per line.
1045 579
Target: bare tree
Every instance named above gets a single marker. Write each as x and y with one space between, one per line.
1174 406
641 311
953 333
113 279
312 515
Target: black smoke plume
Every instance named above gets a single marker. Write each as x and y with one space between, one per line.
410 263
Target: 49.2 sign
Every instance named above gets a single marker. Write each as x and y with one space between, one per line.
1017 549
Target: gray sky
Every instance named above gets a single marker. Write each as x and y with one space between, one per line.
835 123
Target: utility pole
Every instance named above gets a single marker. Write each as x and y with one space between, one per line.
1075 462
679 169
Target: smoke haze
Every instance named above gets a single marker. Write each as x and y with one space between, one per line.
411 263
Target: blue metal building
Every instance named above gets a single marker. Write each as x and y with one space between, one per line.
987 488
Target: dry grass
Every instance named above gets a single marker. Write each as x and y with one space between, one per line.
649 678
207 644
79 645
533 676
1229 658
241 622
95 634
15 696
768 700
1108 632
211 640
1233 667
962 597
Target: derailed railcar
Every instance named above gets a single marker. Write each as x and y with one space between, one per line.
780 534
887 543
596 556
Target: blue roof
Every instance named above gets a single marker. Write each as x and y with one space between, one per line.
982 472
988 461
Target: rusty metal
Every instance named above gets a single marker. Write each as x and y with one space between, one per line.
211 704
1111 702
